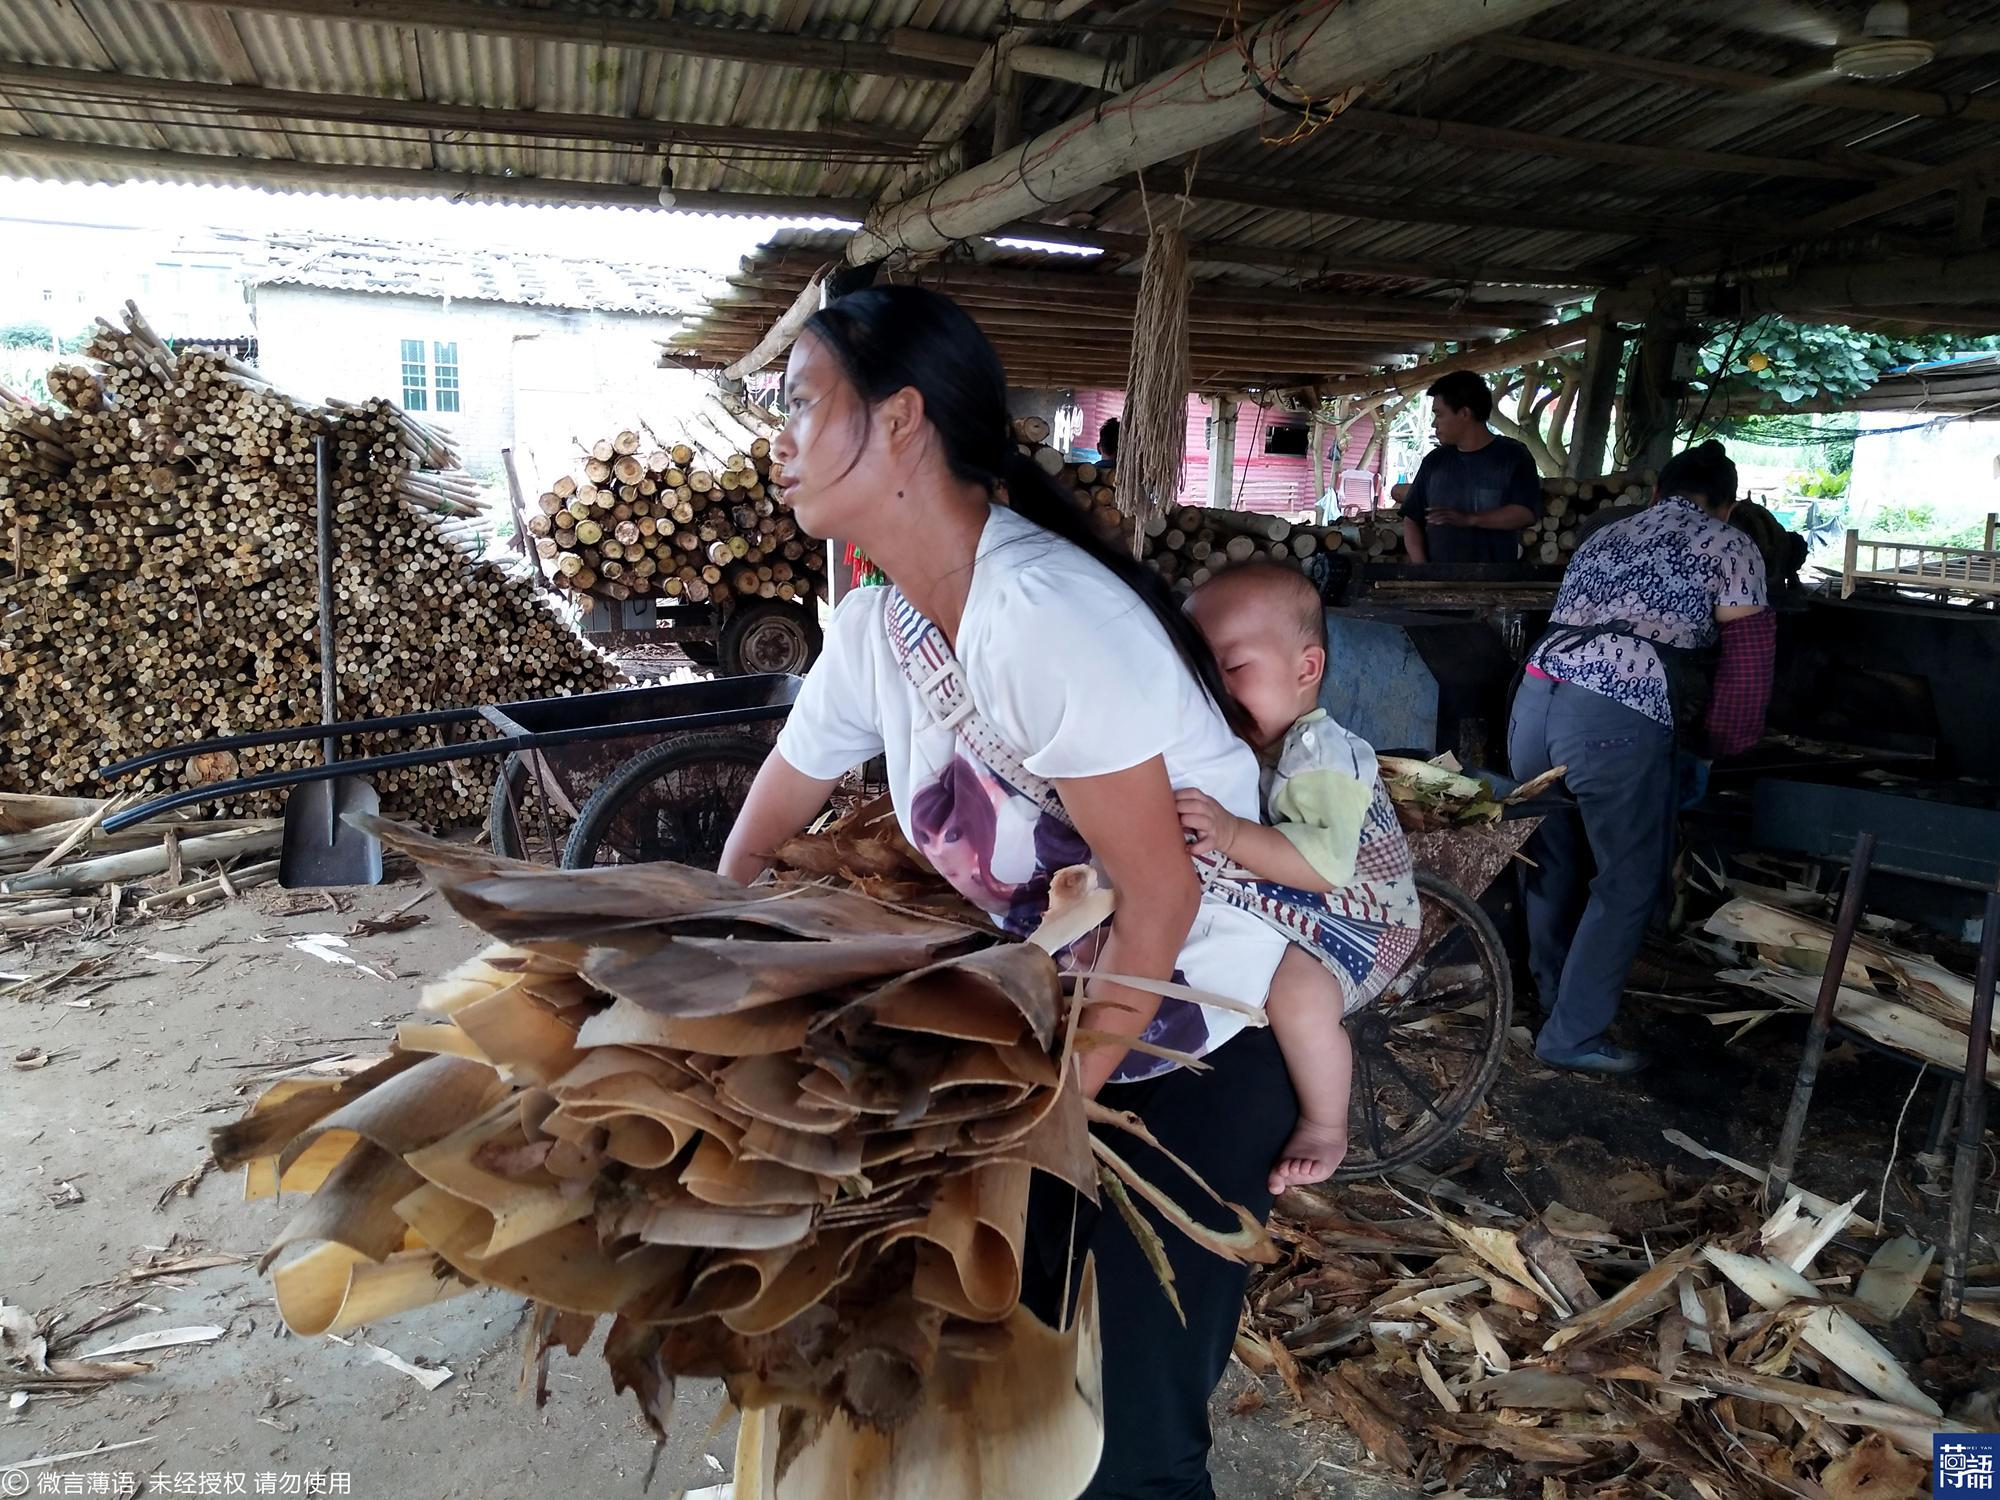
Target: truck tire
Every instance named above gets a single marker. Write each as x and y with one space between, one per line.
769 635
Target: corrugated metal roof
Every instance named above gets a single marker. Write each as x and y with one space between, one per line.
1334 193
493 274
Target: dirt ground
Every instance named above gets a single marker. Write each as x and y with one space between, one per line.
173 1030
147 1038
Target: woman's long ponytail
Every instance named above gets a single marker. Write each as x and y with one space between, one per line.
889 338
1033 494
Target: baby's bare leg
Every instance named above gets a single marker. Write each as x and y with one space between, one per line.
1305 1009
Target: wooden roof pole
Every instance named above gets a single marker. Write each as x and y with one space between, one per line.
1181 110
1866 98
688 39
1886 283
1309 262
25 83
1501 356
1977 168
971 97
141 164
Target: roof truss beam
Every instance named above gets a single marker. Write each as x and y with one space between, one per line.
25 82
1756 88
681 35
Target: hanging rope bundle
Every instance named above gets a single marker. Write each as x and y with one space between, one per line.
1154 435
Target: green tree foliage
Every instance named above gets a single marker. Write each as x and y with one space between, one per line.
1784 363
39 336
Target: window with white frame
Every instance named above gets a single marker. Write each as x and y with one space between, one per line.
416 383
430 375
444 375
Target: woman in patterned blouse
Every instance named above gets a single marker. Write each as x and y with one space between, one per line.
1647 606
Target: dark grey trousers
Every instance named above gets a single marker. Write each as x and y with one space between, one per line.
1583 930
1228 1125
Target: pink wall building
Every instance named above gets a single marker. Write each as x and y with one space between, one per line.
1279 482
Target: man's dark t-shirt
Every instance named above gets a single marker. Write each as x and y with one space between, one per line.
1501 473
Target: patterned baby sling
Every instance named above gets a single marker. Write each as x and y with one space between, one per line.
931 667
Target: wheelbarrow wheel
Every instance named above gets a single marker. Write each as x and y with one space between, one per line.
1427 1051
514 816
676 801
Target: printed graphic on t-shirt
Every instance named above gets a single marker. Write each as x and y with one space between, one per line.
1000 851
995 846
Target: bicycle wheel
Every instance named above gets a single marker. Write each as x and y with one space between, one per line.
676 801
1427 1051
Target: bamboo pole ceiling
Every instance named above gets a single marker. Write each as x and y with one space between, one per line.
1464 194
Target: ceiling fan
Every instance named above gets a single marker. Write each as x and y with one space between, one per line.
1883 45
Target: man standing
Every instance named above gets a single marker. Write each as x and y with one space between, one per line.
1476 491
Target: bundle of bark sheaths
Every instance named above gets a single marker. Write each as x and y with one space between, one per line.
781 1136
1893 995
1683 1343
158 578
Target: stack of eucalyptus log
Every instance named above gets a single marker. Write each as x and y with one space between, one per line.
1568 503
1189 546
674 523
158 578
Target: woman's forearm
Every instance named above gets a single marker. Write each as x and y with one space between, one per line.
1145 942
782 801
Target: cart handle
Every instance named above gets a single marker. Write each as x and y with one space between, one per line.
472 750
287 736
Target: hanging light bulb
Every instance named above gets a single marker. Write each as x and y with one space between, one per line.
666 184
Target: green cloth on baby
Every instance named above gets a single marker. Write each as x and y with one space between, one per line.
1321 812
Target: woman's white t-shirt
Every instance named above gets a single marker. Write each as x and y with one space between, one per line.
1068 666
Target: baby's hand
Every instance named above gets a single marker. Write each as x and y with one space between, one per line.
1210 826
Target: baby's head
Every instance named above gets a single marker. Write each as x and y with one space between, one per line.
1267 628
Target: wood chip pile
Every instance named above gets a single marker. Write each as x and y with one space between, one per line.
784 1140
1904 1000
158 578
674 522
55 859
1717 1353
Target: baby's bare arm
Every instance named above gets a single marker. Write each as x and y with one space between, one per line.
1269 855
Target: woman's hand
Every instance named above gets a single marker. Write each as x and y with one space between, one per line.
781 803
1211 826
1129 821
